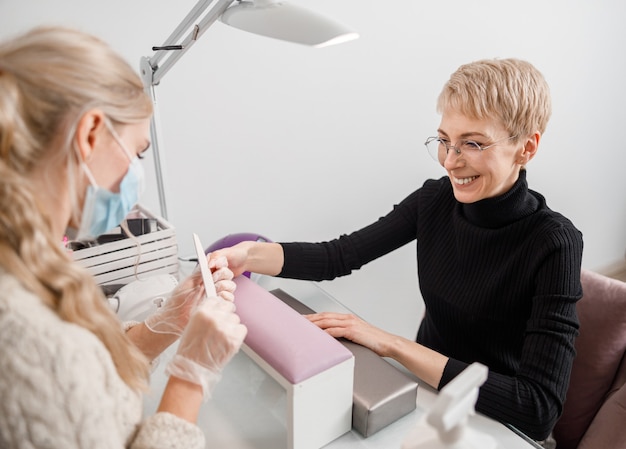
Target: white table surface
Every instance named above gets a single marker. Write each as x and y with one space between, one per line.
247 410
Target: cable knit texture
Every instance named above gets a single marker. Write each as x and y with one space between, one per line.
500 279
59 387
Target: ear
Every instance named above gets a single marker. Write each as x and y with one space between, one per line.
88 132
529 150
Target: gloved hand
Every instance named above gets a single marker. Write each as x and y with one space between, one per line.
212 337
173 316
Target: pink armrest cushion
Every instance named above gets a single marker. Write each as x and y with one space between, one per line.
290 343
599 351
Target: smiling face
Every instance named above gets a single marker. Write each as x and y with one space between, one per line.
483 174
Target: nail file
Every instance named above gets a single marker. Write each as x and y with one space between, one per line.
207 278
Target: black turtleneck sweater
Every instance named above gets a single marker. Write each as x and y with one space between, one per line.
500 279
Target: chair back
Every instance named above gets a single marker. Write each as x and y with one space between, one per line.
594 413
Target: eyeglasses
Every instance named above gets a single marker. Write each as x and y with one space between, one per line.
438 148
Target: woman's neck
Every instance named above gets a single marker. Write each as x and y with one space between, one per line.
50 186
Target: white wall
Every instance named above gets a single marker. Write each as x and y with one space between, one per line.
300 143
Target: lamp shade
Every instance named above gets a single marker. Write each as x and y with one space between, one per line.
287 22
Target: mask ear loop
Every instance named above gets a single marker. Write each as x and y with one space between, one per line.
118 139
124 224
90 176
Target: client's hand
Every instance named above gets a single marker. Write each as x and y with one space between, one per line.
214 334
174 315
355 329
236 256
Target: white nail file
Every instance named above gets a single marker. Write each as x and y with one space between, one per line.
207 278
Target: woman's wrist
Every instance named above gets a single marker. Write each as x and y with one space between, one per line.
151 344
264 258
182 398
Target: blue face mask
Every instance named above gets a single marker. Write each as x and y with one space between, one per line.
102 209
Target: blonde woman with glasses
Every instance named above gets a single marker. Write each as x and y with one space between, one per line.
499 271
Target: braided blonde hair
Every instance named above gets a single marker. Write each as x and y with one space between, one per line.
49 77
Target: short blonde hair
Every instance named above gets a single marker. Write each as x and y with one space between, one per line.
512 91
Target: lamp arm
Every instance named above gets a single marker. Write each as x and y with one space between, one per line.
182 27
179 49
152 73
155 133
153 69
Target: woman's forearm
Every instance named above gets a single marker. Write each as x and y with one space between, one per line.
181 398
150 343
425 363
265 258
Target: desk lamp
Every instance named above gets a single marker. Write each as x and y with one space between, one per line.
271 18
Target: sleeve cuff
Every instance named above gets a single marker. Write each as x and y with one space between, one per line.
165 430
126 325
453 368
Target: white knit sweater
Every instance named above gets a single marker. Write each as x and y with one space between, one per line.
60 389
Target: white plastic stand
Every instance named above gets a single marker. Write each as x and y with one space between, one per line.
445 427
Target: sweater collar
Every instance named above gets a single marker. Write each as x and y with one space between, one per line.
504 209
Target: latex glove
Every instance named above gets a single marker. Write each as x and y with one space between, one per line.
173 315
212 337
